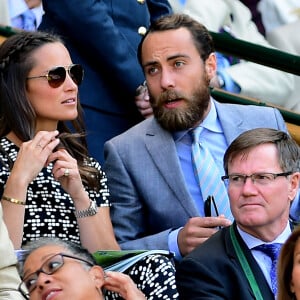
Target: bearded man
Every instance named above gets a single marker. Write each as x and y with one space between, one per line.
157 200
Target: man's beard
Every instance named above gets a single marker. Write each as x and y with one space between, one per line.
187 115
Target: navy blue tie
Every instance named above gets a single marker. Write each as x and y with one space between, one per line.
272 250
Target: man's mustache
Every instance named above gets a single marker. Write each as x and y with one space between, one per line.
170 95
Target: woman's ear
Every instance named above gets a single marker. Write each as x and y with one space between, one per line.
97 275
292 287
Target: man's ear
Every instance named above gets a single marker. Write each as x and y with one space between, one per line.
294 185
211 65
97 275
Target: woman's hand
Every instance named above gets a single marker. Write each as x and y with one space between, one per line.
65 170
123 285
33 155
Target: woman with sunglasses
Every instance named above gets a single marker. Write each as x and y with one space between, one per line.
49 185
64 270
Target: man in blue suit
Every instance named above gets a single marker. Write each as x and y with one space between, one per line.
103 37
156 201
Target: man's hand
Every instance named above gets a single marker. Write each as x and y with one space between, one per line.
197 230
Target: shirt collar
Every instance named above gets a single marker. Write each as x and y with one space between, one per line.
252 241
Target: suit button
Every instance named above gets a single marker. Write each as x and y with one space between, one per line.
141 1
142 30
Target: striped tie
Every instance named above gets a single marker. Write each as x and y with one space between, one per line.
208 175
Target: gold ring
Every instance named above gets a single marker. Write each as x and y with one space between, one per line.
67 172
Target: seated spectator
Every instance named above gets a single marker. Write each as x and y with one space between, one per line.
22 14
9 277
256 14
283 38
234 75
281 20
158 199
239 262
277 13
48 256
288 268
49 185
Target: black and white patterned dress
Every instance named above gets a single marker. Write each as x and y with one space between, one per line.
49 210
154 275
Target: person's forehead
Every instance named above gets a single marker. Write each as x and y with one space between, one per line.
51 55
41 254
169 42
180 36
263 154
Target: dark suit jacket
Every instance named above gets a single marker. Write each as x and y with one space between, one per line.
102 36
213 271
148 190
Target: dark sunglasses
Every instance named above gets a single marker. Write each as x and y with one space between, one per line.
57 76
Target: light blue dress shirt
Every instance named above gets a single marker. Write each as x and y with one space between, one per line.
215 141
263 260
22 17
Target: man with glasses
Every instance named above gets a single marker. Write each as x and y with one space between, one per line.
239 261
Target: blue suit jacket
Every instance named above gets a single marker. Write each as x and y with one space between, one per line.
102 36
148 190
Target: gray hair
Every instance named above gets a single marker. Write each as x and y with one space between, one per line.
72 248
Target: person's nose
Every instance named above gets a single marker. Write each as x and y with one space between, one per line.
42 280
69 82
167 79
249 187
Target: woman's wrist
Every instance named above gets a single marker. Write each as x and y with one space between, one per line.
13 200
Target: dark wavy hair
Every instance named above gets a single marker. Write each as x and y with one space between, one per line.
16 112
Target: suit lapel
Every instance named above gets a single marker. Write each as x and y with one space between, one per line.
259 276
161 148
231 121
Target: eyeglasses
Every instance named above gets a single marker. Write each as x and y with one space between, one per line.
57 76
239 180
50 266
